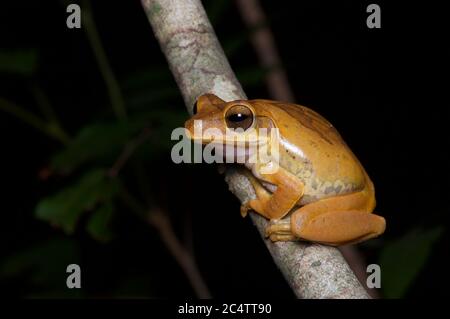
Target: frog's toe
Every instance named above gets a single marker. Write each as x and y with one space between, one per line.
283 237
278 227
245 208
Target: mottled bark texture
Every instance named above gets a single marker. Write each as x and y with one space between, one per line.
199 66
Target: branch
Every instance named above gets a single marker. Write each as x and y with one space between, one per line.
181 253
128 151
158 218
51 129
112 85
199 65
266 50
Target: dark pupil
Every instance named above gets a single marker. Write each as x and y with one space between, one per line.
238 117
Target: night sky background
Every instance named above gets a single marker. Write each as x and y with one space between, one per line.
383 89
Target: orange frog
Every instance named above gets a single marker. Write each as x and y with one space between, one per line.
319 192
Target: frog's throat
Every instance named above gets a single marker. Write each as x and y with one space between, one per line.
237 154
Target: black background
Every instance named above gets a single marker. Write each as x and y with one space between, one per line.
384 90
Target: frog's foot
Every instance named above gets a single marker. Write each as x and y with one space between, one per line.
280 230
256 205
245 208
277 237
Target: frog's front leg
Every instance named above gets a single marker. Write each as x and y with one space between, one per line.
274 206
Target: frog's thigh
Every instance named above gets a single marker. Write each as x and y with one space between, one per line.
289 191
337 220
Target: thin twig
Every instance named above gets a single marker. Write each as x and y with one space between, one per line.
159 219
128 151
44 103
186 261
264 43
112 85
33 120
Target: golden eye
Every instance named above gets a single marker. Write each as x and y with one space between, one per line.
239 116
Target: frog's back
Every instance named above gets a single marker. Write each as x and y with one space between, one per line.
312 149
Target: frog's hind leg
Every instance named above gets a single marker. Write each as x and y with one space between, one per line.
339 220
338 228
336 220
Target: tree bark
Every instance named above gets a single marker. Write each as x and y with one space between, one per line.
199 65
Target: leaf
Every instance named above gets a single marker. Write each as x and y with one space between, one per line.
45 263
20 62
402 260
93 142
98 225
40 270
65 208
103 142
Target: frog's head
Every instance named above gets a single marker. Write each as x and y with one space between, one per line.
227 121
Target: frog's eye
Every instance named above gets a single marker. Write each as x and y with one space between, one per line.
239 116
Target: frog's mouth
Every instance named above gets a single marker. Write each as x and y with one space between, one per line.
232 152
227 143
229 138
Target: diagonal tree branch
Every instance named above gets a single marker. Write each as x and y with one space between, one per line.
199 65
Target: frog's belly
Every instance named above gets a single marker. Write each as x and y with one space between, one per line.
315 190
333 180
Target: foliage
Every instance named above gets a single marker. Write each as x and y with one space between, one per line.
94 190
19 62
402 260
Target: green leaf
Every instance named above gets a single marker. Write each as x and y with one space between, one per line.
93 142
20 62
65 208
402 260
42 266
102 143
98 225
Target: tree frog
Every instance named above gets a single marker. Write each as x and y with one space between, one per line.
320 192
